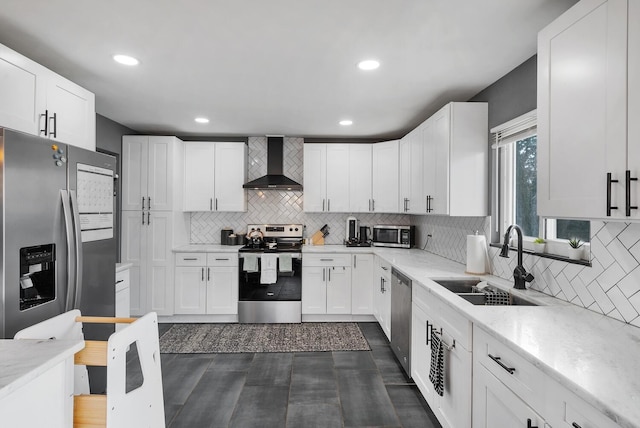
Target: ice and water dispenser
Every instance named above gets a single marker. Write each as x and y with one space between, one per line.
37 275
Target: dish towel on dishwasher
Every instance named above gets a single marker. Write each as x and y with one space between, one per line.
269 268
436 371
250 263
285 262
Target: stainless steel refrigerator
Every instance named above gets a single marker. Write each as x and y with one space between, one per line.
58 243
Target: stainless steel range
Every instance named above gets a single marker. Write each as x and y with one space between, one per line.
270 270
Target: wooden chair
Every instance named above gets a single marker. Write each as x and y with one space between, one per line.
140 407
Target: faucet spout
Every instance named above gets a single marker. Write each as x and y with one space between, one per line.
520 274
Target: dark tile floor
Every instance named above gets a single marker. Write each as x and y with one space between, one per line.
305 389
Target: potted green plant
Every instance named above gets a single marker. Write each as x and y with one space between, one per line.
575 249
539 245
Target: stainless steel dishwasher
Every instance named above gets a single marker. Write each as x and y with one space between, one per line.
401 319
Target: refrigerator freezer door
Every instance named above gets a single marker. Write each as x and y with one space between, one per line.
32 174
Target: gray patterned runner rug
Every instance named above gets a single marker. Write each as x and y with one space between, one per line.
237 338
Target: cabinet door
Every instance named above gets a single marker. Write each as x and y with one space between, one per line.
222 290
230 175
160 170
314 290
439 152
135 152
22 89
339 290
417 201
74 107
360 178
405 172
337 175
362 285
633 104
159 262
190 290
315 177
385 177
582 97
199 178
421 353
132 248
494 405
454 407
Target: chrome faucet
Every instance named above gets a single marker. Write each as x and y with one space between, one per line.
520 274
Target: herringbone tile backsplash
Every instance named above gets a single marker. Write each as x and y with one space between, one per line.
279 206
610 286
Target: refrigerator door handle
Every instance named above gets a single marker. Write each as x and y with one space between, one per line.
71 259
78 247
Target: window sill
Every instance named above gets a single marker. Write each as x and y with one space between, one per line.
548 256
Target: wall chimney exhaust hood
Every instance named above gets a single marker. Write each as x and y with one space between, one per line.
274 180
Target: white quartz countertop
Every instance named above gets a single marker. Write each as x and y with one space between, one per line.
592 355
123 266
21 361
207 248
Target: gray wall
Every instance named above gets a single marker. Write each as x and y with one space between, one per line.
109 140
509 97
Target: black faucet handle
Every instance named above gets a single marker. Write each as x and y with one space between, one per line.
528 277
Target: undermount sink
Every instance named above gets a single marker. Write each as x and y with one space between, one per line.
466 289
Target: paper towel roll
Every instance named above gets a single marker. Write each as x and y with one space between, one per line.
476 254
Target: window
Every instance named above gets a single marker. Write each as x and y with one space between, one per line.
515 163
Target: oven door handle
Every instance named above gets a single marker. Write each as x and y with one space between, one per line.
258 255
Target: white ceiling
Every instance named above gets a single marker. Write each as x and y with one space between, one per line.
257 67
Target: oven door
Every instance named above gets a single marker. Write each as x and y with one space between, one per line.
288 286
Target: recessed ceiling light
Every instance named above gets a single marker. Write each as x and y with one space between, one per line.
369 64
125 60
346 122
202 120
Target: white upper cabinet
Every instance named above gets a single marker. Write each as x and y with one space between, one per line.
386 186
148 178
326 177
38 101
412 200
360 176
214 173
588 105
455 161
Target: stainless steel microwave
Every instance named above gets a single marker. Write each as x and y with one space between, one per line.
394 236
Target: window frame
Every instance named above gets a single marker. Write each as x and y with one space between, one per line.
503 171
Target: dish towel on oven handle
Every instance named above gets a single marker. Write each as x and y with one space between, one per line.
250 263
436 371
269 268
285 262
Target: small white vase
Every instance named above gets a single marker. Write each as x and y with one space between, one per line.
575 253
539 248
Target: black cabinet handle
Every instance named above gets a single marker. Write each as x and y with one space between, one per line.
428 332
529 424
54 128
208 274
575 425
46 122
628 180
202 274
143 217
511 370
609 207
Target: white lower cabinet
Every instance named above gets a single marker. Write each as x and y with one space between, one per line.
362 284
326 284
495 405
147 238
429 315
206 283
382 295
123 297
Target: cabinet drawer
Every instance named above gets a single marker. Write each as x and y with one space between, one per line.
326 260
222 259
421 297
191 259
456 325
385 268
517 374
567 410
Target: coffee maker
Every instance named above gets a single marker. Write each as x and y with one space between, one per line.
351 232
